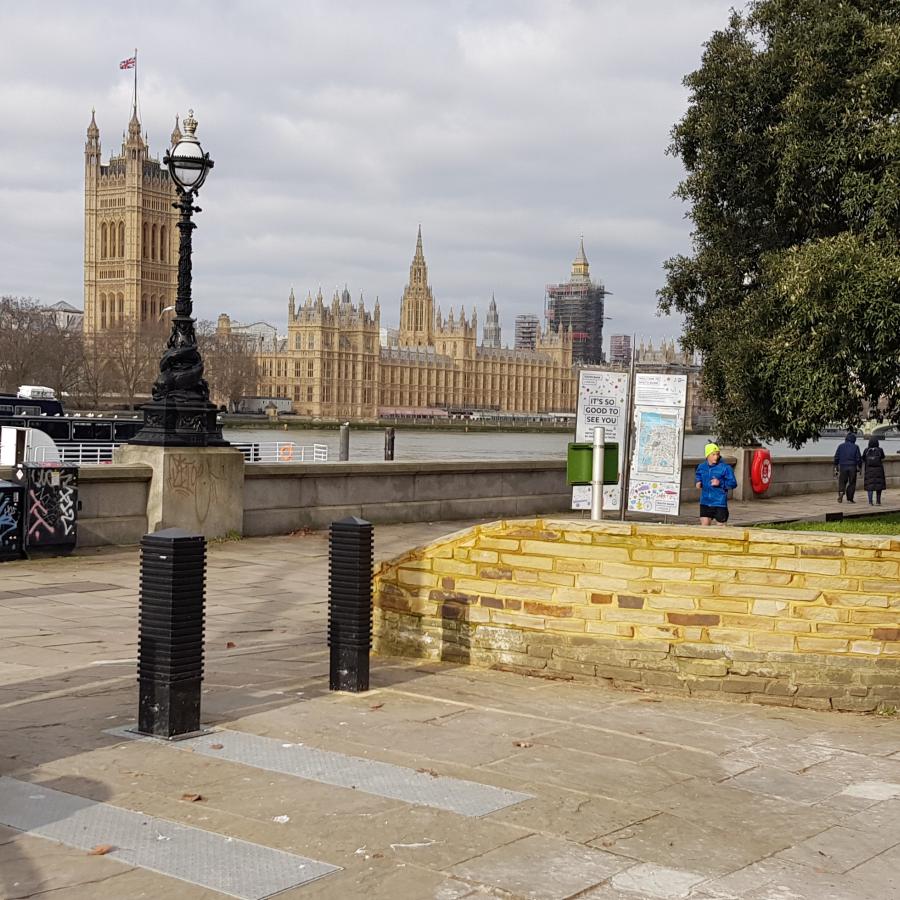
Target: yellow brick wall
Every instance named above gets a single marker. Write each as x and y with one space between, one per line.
777 616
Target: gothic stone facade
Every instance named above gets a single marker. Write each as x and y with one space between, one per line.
130 238
332 365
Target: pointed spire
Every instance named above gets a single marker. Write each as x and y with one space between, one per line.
93 131
176 132
419 256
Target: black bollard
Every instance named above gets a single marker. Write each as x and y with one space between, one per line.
170 634
350 603
389 444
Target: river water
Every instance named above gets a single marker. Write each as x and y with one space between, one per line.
414 446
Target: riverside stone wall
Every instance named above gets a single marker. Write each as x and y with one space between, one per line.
788 618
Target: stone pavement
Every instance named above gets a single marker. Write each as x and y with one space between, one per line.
633 795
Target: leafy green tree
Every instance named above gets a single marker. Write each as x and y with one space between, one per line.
791 145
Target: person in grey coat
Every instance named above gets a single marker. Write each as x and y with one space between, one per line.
874 480
847 465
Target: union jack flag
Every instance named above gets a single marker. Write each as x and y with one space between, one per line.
129 63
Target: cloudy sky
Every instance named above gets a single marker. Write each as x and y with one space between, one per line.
506 128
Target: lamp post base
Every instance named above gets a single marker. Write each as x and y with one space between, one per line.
168 423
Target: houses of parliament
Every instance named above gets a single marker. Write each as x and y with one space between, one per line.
336 360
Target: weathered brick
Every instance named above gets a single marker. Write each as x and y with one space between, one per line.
827 552
511 603
414 577
867 647
766 641
453 567
618 673
721 604
765 548
708 667
730 636
623 570
635 616
577 537
764 577
761 590
867 567
495 573
692 557
485 556
601 598
671 573
886 634
656 632
521 561
519 620
491 602
769 607
813 566
494 543
692 619
701 651
740 684
885 617
821 645
832 629
534 608
875 601
601 583
702 573
629 601
669 603
643 555
613 628
452 596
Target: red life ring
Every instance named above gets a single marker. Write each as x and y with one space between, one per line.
761 471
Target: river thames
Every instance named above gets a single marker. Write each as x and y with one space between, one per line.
414 446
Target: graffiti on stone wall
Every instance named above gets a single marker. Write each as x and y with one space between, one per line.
52 499
9 522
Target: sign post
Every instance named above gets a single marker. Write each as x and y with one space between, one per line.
602 403
654 484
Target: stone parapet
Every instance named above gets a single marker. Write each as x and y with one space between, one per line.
786 618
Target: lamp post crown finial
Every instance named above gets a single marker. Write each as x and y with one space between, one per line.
190 124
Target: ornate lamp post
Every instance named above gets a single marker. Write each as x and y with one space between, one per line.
180 414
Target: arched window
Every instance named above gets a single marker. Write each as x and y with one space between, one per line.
103 310
144 242
112 240
103 241
154 247
122 240
162 243
144 308
122 305
156 303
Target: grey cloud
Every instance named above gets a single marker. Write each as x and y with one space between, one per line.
506 129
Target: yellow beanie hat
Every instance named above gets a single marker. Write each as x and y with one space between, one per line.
710 448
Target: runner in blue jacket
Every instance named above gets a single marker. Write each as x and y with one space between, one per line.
714 480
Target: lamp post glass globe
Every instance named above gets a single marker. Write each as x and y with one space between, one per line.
188 164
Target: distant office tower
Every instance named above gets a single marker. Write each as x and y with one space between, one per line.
526 332
492 327
620 350
578 305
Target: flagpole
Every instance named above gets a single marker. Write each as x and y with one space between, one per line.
135 80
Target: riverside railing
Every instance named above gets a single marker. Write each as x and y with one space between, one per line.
102 454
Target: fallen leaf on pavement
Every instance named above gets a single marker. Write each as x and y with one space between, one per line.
193 798
216 746
230 645
376 706
101 850
430 772
524 744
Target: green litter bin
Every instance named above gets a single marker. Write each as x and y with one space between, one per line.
579 463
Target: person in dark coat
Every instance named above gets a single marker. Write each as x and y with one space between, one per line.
847 465
873 479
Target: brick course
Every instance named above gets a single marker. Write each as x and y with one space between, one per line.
757 615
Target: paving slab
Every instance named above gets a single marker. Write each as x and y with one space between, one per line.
634 795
